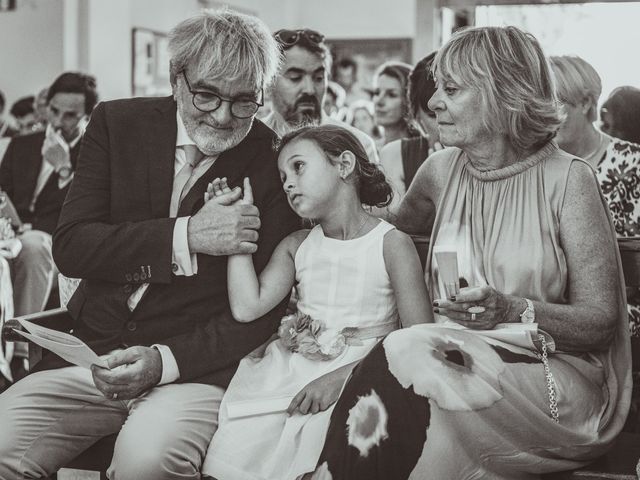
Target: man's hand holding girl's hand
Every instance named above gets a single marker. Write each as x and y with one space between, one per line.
228 222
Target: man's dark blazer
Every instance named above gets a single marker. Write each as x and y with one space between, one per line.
116 234
18 177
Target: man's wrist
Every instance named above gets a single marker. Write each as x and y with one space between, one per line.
169 371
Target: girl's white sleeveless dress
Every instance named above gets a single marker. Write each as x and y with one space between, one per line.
343 283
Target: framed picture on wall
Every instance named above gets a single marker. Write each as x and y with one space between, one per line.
150 56
369 54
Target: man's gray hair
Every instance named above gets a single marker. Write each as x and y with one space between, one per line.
225 45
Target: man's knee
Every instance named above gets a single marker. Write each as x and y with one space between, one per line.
36 245
13 463
151 461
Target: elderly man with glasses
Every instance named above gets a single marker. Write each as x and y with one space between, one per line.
299 90
152 256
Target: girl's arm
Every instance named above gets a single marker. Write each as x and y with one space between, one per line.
251 297
407 279
321 393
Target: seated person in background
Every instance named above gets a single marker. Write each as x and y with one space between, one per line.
357 276
5 128
36 172
361 116
620 114
152 257
390 85
334 101
298 93
23 112
40 106
616 161
401 159
535 243
345 73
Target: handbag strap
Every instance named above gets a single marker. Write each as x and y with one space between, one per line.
551 383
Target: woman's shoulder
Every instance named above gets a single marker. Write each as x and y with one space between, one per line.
436 168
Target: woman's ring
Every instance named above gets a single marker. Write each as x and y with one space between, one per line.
473 317
476 309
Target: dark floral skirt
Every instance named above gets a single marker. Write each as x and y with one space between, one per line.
427 403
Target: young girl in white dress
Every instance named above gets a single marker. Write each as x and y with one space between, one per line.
356 277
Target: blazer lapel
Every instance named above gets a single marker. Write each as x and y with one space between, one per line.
161 154
30 164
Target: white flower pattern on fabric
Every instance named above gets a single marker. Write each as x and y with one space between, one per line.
367 423
440 365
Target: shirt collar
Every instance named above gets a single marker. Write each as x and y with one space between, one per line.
183 137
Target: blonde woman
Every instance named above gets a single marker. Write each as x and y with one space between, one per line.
535 245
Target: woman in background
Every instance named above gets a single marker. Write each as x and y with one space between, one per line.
401 159
360 115
620 114
616 161
390 100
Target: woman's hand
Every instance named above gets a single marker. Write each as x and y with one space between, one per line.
488 307
321 393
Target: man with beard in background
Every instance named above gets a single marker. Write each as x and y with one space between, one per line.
301 85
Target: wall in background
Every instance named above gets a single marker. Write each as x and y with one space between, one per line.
31 47
95 35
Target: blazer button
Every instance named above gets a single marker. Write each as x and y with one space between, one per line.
174 267
128 277
131 326
136 277
143 276
127 288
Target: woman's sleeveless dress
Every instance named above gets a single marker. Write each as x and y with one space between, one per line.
343 283
456 407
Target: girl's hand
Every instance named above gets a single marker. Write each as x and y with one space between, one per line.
319 394
498 308
219 191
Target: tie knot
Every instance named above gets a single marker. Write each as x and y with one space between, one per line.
192 154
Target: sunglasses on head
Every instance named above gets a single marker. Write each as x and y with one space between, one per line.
288 38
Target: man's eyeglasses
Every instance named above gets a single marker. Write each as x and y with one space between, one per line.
288 38
209 102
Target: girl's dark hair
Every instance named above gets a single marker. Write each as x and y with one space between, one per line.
371 184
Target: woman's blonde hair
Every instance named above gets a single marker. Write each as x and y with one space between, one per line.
576 81
509 69
225 44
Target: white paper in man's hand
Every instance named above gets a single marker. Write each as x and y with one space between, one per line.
66 346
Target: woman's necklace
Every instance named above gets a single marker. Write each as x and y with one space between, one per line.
364 222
